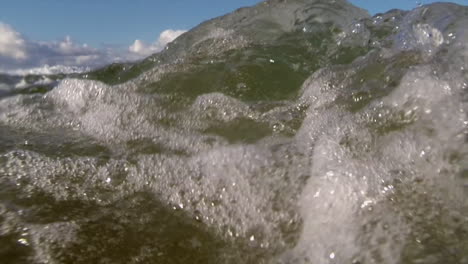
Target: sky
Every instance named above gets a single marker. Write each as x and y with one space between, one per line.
77 32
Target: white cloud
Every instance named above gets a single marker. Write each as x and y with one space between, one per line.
12 43
18 53
168 36
138 47
68 47
143 49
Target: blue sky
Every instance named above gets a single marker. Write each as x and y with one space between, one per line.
81 32
380 6
120 22
117 22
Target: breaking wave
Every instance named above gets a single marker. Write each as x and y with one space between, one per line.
288 132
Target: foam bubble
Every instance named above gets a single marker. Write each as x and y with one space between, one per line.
354 168
366 165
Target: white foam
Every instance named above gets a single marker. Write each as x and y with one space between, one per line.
411 141
427 35
46 70
218 187
216 106
48 238
42 81
351 166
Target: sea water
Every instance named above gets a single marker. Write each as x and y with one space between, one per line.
289 132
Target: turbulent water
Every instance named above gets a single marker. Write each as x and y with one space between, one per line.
294 131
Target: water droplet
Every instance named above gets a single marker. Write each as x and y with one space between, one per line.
278 127
332 255
23 241
366 203
317 194
198 216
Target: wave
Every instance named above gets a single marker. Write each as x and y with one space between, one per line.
288 132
